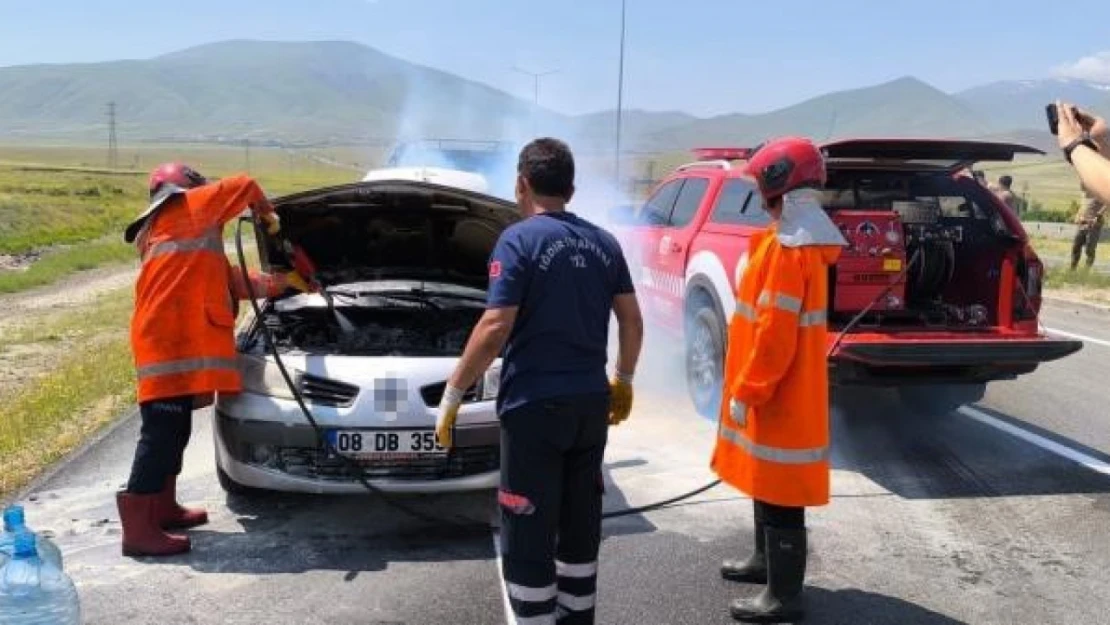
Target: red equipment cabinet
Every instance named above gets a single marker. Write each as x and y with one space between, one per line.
871 263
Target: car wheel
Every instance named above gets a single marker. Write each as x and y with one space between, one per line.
705 361
940 399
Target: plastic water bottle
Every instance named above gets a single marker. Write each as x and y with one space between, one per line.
33 592
15 522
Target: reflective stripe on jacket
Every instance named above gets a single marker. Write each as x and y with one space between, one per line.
776 450
182 330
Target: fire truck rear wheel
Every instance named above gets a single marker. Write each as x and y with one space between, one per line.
705 360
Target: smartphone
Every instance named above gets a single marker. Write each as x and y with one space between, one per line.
1053 115
1054 118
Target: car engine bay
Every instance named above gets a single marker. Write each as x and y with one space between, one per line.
399 324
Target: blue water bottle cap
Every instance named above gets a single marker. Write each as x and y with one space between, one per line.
13 518
24 546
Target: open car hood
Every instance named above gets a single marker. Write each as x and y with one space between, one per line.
946 154
391 230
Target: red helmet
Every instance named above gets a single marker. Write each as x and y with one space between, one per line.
783 165
177 174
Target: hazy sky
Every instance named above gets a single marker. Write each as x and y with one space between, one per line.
702 56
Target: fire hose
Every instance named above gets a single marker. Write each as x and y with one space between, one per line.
297 256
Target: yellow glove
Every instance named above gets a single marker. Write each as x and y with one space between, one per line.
273 223
295 280
447 415
620 398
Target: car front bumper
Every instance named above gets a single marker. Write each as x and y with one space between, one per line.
284 454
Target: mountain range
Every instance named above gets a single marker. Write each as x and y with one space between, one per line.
340 92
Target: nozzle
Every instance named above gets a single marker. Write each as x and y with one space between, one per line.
14 519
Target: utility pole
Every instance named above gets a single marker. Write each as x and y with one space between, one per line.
536 94
113 147
620 100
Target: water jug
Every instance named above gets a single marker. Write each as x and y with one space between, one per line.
34 592
14 522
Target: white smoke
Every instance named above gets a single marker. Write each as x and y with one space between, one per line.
428 114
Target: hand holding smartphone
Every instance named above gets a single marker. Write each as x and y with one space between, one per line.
1052 113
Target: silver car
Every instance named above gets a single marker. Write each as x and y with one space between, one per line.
405 263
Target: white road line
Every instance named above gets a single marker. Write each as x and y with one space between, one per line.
1052 446
501 579
1081 337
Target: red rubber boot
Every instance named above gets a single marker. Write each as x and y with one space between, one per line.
142 535
174 516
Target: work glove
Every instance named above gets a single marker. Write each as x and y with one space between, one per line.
738 410
447 414
620 398
295 280
273 223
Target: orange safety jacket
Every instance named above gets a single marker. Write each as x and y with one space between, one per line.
186 297
776 447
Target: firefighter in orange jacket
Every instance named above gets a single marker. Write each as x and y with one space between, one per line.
182 337
773 437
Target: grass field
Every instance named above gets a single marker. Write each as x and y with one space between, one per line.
72 374
63 205
1046 180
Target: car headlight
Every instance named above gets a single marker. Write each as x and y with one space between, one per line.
490 384
263 377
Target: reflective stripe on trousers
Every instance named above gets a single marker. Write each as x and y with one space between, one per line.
208 242
782 302
532 605
185 366
577 587
781 455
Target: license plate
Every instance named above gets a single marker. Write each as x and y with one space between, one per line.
385 443
892 264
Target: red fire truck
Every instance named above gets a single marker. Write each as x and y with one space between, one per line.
937 293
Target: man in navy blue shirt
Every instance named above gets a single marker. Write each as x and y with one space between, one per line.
554 279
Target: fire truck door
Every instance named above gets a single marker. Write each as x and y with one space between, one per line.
674 249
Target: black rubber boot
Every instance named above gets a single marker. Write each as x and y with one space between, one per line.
781 600
754 569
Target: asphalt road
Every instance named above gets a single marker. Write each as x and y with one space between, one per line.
994 514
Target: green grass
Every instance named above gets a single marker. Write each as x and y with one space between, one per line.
1047 181
1062 277
64 202
65 262
87 385
111 312
55 413
1046 246
40 208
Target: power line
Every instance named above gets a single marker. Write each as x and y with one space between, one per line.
536 93
620 99
113 146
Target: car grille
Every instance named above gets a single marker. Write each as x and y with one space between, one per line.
327 392
433 393
318 465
